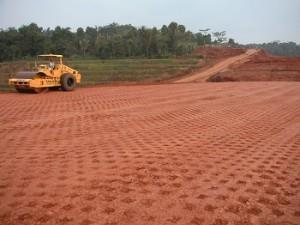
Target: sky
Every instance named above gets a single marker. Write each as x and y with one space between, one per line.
247 21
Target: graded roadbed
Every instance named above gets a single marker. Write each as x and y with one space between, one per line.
196 153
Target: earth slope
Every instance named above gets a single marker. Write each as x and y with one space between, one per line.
236 64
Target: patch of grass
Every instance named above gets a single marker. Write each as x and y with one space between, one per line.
113 71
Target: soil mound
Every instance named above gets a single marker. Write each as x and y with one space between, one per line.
218 60
218 53
262 67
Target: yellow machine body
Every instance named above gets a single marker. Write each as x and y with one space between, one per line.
50 72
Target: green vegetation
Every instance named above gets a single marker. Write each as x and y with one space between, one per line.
116 53
113 71
132 70
116 41
107 42
108 54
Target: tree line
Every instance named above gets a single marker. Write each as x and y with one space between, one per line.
111 41
117 41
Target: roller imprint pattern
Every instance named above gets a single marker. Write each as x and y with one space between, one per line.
198 154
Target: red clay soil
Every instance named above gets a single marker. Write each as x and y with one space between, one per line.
212 55
262 67
197 153
218 67
218 53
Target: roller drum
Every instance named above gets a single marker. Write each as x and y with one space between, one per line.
25 75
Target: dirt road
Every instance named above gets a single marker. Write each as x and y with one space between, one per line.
196 153
219 67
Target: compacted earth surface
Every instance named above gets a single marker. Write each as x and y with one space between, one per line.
194 153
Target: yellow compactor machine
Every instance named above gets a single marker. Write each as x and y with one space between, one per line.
50 72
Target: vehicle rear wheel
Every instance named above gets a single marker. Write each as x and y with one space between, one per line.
68 82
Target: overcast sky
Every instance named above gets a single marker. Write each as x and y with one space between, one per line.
244 20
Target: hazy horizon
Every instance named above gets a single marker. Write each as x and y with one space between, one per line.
246 22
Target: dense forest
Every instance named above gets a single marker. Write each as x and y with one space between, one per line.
112 41
116 41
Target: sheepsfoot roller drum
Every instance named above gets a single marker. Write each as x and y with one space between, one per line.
50 73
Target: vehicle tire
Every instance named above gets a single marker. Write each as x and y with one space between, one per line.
68 82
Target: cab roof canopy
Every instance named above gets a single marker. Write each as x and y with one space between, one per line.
51 56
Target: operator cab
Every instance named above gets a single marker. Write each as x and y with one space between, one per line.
48 61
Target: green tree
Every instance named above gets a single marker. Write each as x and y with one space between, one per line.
220 37
145 37
172 32
32 40
232 43
10 44
63 41
91 34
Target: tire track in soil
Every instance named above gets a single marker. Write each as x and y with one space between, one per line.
225 153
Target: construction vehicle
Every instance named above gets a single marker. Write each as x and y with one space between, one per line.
49 73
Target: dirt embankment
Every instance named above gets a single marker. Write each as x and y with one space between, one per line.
216 54
218 65
262 67
238 64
